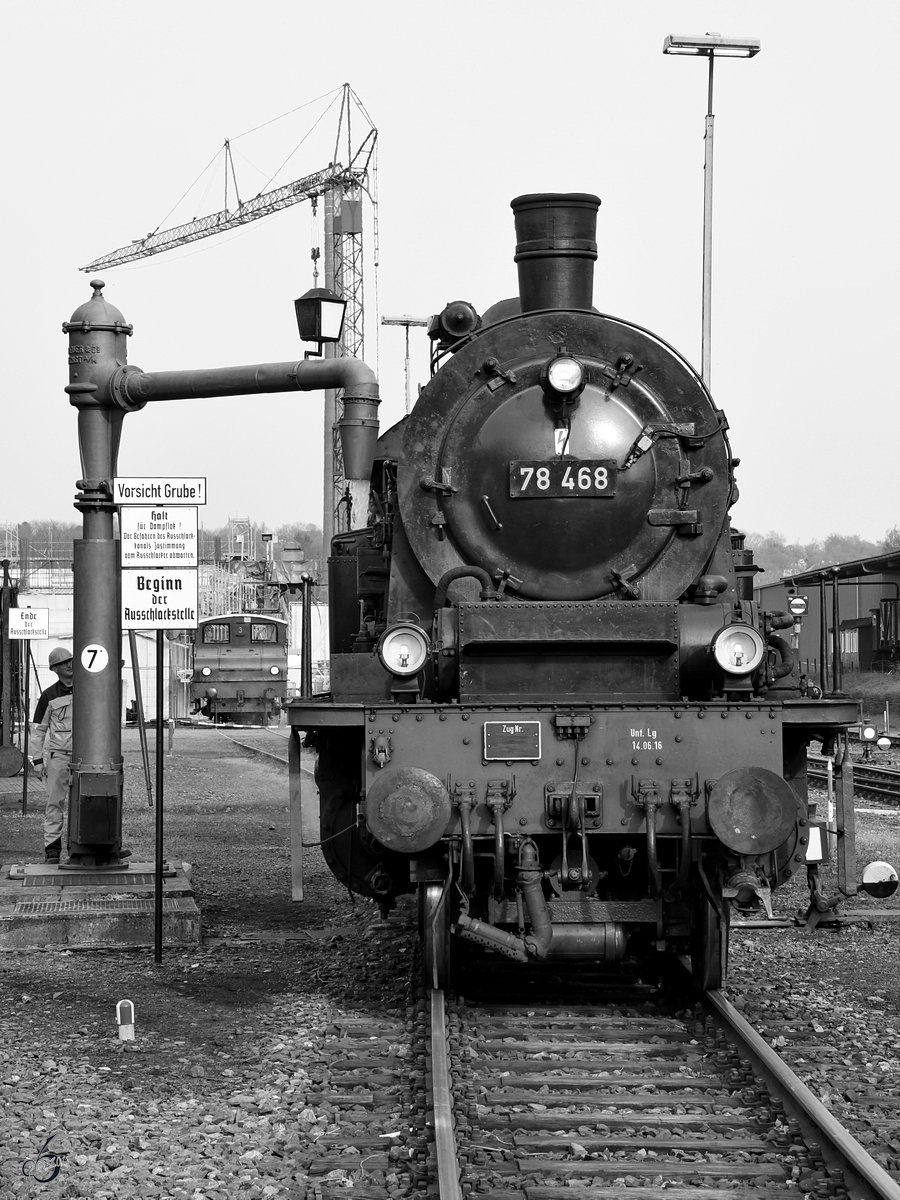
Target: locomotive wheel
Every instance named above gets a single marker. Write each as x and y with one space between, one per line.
434 930
709 945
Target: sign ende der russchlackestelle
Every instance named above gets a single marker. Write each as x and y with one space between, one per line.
29 624
159 598
158 537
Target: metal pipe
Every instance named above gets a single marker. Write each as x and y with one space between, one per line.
706 319
531 885
479 573
823 638
135 387
787 655
684 866
836 664
497 812
467 873
652 808
556 249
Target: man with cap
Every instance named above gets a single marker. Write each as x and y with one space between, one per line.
52 732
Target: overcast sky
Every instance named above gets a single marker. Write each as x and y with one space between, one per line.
112 110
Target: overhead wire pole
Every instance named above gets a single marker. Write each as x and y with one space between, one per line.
406 321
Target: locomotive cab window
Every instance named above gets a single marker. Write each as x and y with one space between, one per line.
263 633
217 634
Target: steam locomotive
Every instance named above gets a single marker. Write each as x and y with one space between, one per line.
557 714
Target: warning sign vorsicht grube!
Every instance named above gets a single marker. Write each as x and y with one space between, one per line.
167 492
158 537
160 598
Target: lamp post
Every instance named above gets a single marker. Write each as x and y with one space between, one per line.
710 46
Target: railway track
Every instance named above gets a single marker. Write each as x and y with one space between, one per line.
881 783
637 1097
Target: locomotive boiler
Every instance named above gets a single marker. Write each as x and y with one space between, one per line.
556 712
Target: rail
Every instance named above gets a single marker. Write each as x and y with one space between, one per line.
866 1180
878 782
442 1103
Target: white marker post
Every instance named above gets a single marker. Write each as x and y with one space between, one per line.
125 1017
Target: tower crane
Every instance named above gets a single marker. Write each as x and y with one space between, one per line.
342 188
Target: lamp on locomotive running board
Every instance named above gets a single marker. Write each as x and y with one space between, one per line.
710 46
320 318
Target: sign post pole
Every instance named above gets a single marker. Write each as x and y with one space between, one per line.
27 723
159 561
160 774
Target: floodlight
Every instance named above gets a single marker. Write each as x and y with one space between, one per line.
711 44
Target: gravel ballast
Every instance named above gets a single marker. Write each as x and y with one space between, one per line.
237 1081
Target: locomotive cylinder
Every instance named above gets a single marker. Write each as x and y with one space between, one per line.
556 249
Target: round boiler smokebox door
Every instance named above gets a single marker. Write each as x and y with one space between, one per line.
407 809
752 810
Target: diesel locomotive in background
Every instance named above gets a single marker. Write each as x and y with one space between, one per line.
240 668
556 712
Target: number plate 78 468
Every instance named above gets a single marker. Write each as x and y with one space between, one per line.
562 477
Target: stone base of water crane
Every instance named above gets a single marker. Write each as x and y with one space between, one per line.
44 908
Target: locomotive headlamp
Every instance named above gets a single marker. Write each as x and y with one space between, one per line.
274 670
798 606
403 649
565 376
205 672
738 649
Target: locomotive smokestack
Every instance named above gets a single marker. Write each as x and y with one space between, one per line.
556 249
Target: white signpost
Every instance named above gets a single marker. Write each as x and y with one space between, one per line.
163 491
159 598
158 555
29 624
158 537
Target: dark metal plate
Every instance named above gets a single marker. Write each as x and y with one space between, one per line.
515 740
593 478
